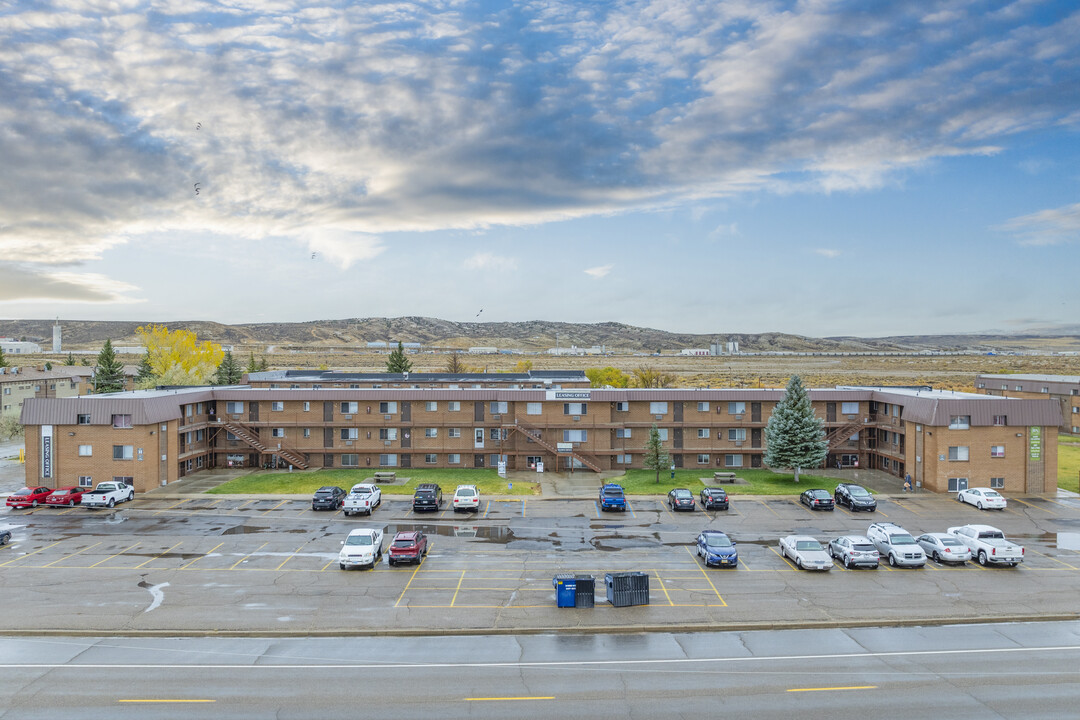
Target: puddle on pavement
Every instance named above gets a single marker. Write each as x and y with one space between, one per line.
255 529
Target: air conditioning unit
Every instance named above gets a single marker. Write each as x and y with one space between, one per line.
387 417
349 443
348 417
386 443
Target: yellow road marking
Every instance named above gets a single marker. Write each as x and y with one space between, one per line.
116 555
906 507
167 700
185 567
708 579
1036 507
29 554
159 555
291 556
791 565
766 506
172 506
274 508
457 590
246 502
72 554
663 587
411 578
249 555
1049 557
520 697
826 689
65 512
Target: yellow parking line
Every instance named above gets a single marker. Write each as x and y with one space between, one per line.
249 555
909 509
663 587
185 567
72 554
274 508
1053 558
791 565
456 591
116 555
291 556
172 506
68 510
707 578
823 689
29 554
246 502
159 555
411 578
766 506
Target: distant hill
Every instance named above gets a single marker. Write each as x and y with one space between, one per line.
528 335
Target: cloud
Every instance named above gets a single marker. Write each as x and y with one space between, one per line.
489 261
19 283
1046 227
723 230
599 271
827 252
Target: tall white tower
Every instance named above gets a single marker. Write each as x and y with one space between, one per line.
56 336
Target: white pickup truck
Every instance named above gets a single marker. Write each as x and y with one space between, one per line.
107 494
363 498
362 547
988 544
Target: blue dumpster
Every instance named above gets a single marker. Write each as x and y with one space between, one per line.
565 590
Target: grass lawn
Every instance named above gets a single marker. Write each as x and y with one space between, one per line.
762 482
1069 462
306 483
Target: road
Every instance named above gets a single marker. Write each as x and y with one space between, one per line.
956 672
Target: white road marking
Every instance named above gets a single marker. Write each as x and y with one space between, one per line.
157 594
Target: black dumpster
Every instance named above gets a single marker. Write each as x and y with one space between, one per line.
585 595
565 590
627 588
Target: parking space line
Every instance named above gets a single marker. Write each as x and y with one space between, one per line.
662 586
487 508
596 505
630 508
249 555
1050 557
409 584
72 554
160 554
766 506
523 507
185 567
116 555
707 578
173 505
66 511
246 502
274 508
906 507
1036 507
29 554
291 556
791 565
458 589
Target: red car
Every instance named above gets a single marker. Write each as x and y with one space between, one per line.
408 547
69 496
28 497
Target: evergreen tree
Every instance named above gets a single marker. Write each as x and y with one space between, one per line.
70 360
109 372
146 377
794 436
86 361
48 366
656 457
263 364
454 364
397 362
3 360
253 365
228 372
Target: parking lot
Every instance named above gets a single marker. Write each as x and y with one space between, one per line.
240 563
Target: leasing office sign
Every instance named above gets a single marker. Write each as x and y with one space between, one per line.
46 451
568 395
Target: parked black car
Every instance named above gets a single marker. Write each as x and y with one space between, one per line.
428 496
855 497
713 498
817 499
330 497
680 499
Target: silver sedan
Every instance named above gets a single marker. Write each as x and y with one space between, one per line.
943 547
806 552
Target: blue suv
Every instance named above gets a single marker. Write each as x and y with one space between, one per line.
717 549
612 498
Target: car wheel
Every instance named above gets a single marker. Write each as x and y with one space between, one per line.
892 560
131 496
937 558
847 561
959 498
111 502
71 503
341 566
979 505
982 557
798 563
783 552
33 504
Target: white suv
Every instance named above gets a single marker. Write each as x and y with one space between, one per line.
896 544
466 497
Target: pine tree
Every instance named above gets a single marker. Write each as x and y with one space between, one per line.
454 364
263 364
228 372
109 372
397 362
656 457
146 377
3 360
70 360
253 365
794 436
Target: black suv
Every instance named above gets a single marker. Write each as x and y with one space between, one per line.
330 497
855 497
428 496
713 498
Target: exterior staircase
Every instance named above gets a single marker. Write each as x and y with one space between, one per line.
247 436
838 436
536 435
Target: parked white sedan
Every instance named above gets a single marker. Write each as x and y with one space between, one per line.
982 498
806 552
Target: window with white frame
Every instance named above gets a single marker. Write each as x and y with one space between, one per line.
431 406
733 461
123 452
350 408
956 484
704 433
86 450
534 408
431 458
1075 410
1044 390
277 406
121 421
622 432
663 433
277 432
453 406
622 407
307 432
498 408
388 408
234 407
736 434
1019 388
84 419
454 432
736 408
959 422
575 409
230 437
997 451
431 432
849 408
997 483
623 459
350 460
453 459
1001 420
86 481
388 460
703 407
350 433
575 435
307 406
388 433
958 452
702 459
658 408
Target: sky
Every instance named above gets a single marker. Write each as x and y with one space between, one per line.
733 166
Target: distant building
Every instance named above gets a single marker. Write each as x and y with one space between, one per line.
1065 389
483 350
377 344
56 336
17 384
11 346
694 351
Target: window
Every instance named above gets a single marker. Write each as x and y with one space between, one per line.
307 432
575 409
997 483
956 483
229 436
453 406
350 433
86 450
86 481
125 479
622 407
277 406
704 433
958 452
1019 388
388 408
1001 420
623 459
123 452
658 408
997 451
733 461
234 407
622 432
84 420
703 407
431 406
849 408
1075 410
388 461
307 406
575 435
454 432
388 433
453 459
431 432
663 434
736 434
702 459
498 408
121 421
534 408
277 432
736 408
350 408
350 460
1044 390
431 458
959 422
495 433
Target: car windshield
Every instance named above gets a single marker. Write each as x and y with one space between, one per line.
991 493
807 545
856 491
357 540
425 492
403 543
862 547
325 492
465 492
717 541
23 491
613 492
901 539
949 542
819 493
682 494
361 491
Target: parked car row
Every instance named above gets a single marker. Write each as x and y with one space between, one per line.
106 494
362 547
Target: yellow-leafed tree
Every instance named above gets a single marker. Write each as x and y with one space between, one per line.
177 357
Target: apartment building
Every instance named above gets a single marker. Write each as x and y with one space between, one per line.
1063 388
945 440
17 384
